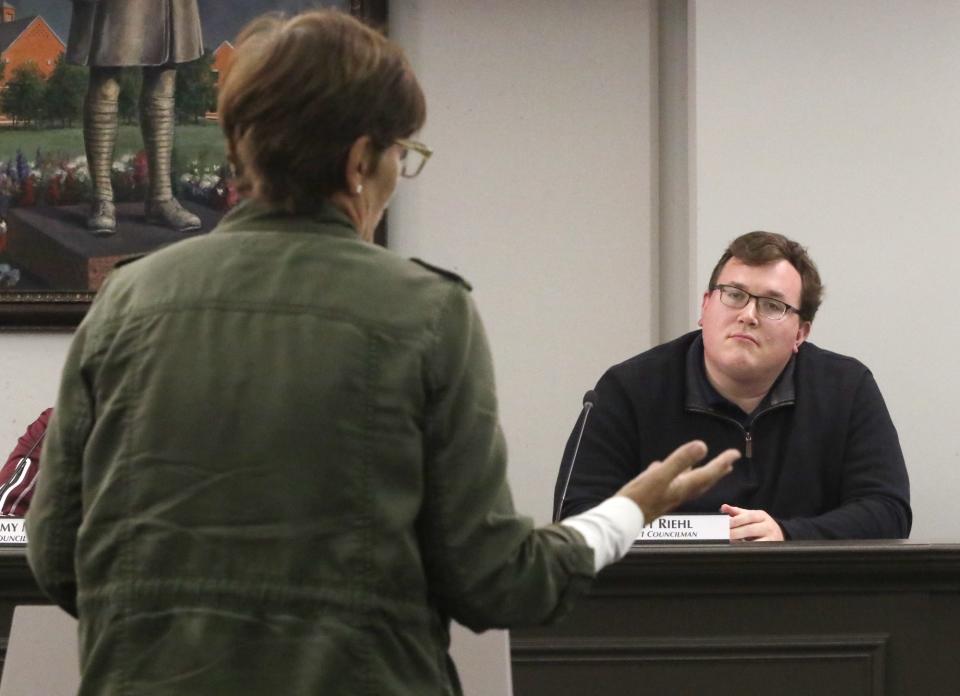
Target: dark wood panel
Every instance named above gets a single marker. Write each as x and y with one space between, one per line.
825 619
782 665
795 618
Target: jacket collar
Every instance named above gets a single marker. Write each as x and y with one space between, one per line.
254 216
701 395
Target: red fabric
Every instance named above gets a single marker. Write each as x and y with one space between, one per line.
16 480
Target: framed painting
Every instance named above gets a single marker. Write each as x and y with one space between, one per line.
54 249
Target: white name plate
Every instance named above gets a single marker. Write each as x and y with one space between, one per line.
12 532
685 529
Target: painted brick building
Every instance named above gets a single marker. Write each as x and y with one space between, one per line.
222 60
27 39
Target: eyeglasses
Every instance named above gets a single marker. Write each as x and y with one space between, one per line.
413 158
767 307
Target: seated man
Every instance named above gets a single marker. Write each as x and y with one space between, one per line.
19 474
821 456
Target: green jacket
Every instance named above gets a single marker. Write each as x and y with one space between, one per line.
275 467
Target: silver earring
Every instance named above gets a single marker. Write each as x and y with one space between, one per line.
359 189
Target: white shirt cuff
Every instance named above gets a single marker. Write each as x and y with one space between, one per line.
609 529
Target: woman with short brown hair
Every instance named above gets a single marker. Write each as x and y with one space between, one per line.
275 464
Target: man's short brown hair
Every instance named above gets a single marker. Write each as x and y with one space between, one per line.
761 248
299 93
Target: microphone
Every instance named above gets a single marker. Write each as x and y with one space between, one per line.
589 401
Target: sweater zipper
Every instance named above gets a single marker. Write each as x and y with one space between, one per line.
747 437
747 434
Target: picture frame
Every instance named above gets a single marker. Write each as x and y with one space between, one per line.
50 264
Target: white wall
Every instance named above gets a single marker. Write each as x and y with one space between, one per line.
539 193
29 376
835 123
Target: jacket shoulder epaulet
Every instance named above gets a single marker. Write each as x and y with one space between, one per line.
449 275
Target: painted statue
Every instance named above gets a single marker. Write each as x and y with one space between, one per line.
108 35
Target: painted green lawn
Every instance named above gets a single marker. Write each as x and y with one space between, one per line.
202 142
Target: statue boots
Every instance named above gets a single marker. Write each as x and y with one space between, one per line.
156 124
99 137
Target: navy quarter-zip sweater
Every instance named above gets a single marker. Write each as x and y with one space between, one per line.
821 454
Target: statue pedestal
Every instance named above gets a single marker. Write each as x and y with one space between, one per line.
55 245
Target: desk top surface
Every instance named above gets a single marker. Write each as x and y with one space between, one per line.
861 563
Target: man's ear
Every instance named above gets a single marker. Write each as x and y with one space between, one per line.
703 305
802 332
359 164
